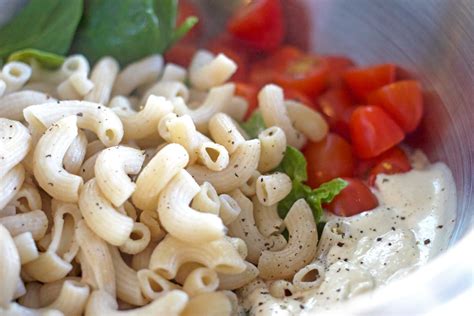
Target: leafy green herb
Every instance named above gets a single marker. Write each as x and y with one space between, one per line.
47 25
293 164
254 125
298 191
45 59
129 29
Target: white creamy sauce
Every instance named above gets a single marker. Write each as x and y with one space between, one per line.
412 224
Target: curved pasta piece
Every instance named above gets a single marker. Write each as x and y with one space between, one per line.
272 105
15 74
48 157
28 193
103 76
180 220
207 71
173 72
72 298
170 304
208 304
139 125
168 90
112 167
15 142
229 210
35 222
138 73
267 219
91 116
10 183
96 261
153 285
301 247
236 281
138 240
273 147
249 188
13 104
244 227
25 244
309 277
102 218
224 131
273 188
74 156
171 254
201 280
206 199
242 164
9 269
281 289
181 130
31 297
155 176
214 103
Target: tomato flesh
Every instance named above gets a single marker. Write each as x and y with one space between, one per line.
362 81
403 100
337 106
328 159
337 65
373 131
353 199
249 93
260 25
391 162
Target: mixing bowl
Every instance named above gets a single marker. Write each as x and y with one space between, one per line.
434 42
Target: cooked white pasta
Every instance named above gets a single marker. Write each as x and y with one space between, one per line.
3 87
171 304
249 188
138 73
13 104
74 156
213 156
244 227
236 108
273 147
273 188
229 209
27 199
236 281
272 105
215 101
150 219
223 131
307 121
102 218
103 77
171 253
242 164
139 125
199 305
168 90
153 285
35 222
112 167
15 142
173 72
72 298
25 244
72 64
91 116
207 71
158 172
49 155
75 87
15 74
10 267
284 263
309 277
138 240
201 280
206 200
267 219
281 289
142 259
32 295
180 220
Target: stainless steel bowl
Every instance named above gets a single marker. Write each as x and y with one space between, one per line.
434 42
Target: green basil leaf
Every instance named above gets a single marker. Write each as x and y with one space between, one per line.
47 25
184 28
324 194
298 191
45 59
293 164
254 125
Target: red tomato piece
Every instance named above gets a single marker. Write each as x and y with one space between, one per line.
260 24
328 159
403 100
185 10
249 92
337 106
299 97
373 131
391 162
337 65
353 199
362 81
181 53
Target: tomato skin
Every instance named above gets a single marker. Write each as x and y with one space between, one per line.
180 53
391 162
337 65
337 106
362 81
353 199
185 10
328 159
403 100
373 131
260 25
249 92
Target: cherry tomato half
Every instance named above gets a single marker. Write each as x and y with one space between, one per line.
260 24
328 159
403 100
373 131
391 162
362 81
181 53
337 65
337 106
353 199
